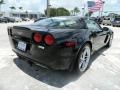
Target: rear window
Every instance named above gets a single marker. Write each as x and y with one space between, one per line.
62 23
44 22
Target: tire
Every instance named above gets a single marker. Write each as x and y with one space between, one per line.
83 60
109 42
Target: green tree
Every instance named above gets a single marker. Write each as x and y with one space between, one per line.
58 12
52 12
76 10
1 2
62 12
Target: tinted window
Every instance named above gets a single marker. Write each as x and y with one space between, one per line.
92 25
59 24
75 24
44 22
62 23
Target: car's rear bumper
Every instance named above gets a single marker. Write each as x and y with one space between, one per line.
57 58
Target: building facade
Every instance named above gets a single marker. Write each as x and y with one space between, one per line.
30 15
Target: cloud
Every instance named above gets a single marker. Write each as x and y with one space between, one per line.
113 2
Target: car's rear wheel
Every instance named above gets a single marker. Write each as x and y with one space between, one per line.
84 58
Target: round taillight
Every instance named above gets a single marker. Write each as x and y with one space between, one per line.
37 37
49 39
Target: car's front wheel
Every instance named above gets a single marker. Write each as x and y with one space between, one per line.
84 58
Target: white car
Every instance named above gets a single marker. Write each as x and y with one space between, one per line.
17 19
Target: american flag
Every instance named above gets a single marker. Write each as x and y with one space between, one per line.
94 6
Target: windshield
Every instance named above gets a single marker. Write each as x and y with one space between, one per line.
49 22
61 23
44 22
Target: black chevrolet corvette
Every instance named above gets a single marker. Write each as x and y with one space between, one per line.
60 43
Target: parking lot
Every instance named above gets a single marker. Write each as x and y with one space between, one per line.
16 74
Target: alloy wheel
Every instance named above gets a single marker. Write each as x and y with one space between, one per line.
84 59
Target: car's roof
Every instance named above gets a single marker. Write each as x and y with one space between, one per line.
62 18
66 17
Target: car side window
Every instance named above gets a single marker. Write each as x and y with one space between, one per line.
70 23
75 24
57 25
92 25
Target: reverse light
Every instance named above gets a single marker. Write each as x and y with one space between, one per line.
37 37
49 39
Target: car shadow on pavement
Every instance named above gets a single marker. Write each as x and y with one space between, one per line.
54 78
97 54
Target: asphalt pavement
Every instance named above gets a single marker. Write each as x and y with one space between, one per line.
16 74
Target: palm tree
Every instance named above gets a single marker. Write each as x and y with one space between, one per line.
72 12
76 10
12 8
1 2
21 8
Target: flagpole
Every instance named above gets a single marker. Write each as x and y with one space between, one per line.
100 13
48 8
88 13
102 8
83 9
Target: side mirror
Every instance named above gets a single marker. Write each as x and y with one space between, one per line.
105 29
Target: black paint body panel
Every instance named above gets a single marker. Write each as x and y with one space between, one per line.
55 56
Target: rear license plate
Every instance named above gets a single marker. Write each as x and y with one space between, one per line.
22 46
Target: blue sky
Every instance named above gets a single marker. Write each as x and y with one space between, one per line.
40 5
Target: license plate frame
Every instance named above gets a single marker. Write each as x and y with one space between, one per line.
22 46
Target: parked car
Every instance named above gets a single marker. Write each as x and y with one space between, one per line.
60 43
106 21
10 19
25 19
116 21
17 19
3 20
